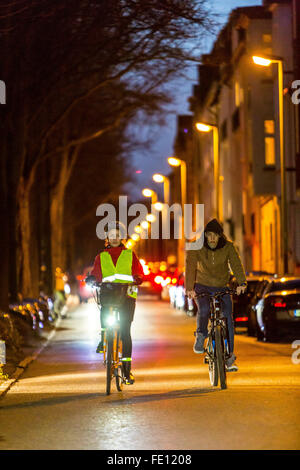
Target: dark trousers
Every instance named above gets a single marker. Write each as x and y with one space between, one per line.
203 311
126 318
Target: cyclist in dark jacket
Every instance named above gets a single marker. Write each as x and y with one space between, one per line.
208 270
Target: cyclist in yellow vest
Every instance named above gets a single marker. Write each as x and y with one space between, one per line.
119 264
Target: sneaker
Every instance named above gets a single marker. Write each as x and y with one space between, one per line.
230 366
199 343
130 379
100 348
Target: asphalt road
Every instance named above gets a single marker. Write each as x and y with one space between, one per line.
60 401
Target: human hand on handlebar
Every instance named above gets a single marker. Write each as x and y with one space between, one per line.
241 289
90 280
191 294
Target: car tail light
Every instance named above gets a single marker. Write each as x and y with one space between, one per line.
278 303
241 319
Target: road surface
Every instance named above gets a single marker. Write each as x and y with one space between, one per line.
60 401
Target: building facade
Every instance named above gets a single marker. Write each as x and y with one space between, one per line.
241 100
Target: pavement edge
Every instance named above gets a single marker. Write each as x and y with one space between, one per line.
22 366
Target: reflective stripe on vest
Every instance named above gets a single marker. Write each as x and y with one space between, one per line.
121 272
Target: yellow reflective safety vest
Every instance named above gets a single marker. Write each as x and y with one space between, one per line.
121 272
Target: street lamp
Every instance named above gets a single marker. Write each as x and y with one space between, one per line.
150 218
203 127
173 161
158 178
266 62
150 193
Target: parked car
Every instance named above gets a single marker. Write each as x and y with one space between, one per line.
242 304
278 310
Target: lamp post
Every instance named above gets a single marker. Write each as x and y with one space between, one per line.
173 161
158 178
203 127
150 193
266 62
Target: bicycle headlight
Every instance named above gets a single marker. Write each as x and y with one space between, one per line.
111 320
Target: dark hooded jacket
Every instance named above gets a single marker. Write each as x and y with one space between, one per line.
212 267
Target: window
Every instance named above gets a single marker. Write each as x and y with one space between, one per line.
238 94
269 142
267 38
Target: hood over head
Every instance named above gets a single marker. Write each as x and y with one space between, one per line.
214 226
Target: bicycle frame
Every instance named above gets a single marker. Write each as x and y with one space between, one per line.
216 318
217 350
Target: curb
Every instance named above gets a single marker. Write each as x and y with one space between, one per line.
21 367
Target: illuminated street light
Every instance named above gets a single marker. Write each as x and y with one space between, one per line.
158 178
138 229
135 237
261 61
266 62
150 217
145 224
174 161
147 192
129 244
158 206
203 127
150 193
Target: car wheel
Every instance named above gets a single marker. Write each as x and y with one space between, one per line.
251 324
259 334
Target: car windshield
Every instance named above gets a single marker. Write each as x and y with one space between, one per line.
284 285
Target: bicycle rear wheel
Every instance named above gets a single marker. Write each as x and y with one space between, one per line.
119 374
220 356
212 364
109 354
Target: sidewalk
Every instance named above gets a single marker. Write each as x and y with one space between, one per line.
14 370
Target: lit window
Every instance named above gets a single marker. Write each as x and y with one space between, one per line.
267 38
269 150
269 128
239 94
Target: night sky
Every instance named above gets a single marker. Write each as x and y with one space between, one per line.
151 158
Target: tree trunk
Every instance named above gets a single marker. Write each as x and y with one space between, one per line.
57 204
23 259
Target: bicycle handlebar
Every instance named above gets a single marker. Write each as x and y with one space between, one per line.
124 284
216 294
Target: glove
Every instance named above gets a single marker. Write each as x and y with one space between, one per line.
241 289
90 280
138 279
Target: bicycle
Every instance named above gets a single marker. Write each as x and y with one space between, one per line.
112 343
217 349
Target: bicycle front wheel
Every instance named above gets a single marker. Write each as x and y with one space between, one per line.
212 364
220 356
119 374
109 357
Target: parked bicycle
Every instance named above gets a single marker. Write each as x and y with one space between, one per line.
217 347
112 295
